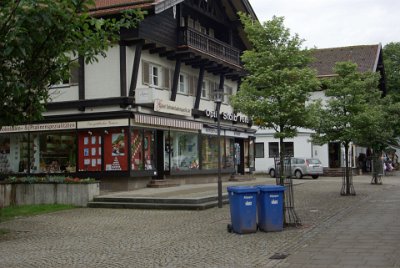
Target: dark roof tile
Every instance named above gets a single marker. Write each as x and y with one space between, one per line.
366 57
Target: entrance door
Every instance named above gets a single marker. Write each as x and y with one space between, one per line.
334 154
160 154
239 156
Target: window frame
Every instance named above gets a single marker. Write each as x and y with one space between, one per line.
257 151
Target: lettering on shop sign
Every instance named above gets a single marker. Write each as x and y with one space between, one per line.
38 127
227 116
171 107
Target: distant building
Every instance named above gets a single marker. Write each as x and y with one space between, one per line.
368 58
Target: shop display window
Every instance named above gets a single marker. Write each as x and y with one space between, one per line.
229 153
142 149
57 152
251 153
210 152
115 149
183 150
53 152
90 150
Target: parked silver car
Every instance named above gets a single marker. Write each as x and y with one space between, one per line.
301 166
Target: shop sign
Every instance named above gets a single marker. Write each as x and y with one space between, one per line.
237 134
171 107
103 123
210 131
228 116
38 127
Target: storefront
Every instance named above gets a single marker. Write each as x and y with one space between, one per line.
142 146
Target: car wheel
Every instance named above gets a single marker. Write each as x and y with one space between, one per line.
314 177
272 173
298 174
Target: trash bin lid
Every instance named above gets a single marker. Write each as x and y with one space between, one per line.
271 188
242 189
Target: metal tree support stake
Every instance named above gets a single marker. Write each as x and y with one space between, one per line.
377 170
347 181
290 216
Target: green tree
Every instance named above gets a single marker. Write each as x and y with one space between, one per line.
351 113
39 41
278 82
391 60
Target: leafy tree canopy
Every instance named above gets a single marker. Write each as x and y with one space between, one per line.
39 41
278 84
353 106
391 59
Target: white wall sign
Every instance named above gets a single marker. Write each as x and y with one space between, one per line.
171 107
104 123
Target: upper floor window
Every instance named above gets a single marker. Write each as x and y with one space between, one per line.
227 94
183 85
204 90
73 78
156 75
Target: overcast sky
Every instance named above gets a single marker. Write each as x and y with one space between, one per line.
336 23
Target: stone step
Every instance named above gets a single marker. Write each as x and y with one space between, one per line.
150 200
169 206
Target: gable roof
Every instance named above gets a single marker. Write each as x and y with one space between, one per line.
366 57
109 7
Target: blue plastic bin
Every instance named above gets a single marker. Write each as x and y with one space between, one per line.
243 206
270 208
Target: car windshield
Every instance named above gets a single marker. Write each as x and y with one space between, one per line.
314 161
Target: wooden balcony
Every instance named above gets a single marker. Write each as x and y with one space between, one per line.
210 46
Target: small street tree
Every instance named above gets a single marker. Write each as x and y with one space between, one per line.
277 86
279 82
350 113
39 42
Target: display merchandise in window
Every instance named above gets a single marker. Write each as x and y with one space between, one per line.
90 150
183 150
142 150
210 152
229 152
57 152
115 149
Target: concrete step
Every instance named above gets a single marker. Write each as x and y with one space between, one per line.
157 203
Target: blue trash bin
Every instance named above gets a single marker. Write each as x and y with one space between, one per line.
270 208
243 207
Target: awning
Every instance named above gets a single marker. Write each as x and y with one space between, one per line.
167 122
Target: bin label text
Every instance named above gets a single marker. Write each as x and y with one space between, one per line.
274 202
248 203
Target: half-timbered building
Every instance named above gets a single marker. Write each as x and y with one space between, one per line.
146 112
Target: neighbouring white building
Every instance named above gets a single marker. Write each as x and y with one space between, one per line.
368 58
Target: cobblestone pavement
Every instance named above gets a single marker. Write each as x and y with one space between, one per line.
90 237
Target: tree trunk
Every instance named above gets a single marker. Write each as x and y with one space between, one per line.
346 157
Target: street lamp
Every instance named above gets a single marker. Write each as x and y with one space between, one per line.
218 93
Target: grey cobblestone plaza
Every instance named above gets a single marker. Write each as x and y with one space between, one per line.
337 231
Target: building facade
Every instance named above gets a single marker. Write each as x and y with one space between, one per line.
146 112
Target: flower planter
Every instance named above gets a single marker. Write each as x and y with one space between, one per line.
78 194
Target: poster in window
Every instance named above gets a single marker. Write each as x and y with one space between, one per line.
85 140
85 151
118 144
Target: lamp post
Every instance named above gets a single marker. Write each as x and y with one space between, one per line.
218 99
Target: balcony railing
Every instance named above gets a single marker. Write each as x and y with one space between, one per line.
209 45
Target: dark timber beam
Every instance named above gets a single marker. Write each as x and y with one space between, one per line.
199 87
81 81
175 82
135 68
122 69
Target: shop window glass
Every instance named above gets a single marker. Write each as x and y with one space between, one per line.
57 152
167 150
90 150
137 150
148 146
13 153
142 150
210 152
229 152
273 148
246 154
115 149
183 151
259 147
